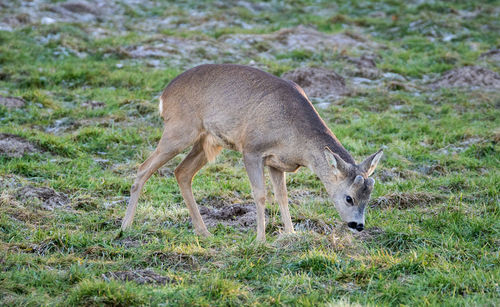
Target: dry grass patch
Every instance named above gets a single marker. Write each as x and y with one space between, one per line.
312 224
406 200
339 240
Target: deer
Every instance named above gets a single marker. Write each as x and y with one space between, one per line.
272 123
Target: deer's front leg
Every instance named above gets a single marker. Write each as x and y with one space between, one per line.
279 186
255 169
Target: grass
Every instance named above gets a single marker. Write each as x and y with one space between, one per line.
433 227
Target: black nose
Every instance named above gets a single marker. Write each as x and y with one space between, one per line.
352 225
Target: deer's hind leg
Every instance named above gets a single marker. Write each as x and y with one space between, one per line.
254 166
174 139
202 151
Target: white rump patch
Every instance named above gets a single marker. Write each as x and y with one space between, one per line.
160 106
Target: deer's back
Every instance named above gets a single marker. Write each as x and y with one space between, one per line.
241 106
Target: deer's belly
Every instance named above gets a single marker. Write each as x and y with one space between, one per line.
281 163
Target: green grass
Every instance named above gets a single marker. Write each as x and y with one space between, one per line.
440 142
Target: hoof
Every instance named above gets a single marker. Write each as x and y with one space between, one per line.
261 239
204 233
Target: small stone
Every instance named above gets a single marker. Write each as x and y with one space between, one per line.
47 21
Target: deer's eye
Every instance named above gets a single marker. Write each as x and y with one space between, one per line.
348 199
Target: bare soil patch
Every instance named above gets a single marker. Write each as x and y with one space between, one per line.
14 146
146 276
49 198
12 102
242 216
406 200
318 82
468 76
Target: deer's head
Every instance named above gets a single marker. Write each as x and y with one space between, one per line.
350 187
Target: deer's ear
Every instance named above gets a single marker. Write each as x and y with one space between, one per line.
335 161
370 163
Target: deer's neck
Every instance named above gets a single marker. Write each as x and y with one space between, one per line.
318 162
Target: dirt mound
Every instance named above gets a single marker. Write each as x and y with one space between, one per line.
406 200
49 198
14 146
318 82
236 215
468 76
78 7
493 54
12 102
297 38
141 277
366 67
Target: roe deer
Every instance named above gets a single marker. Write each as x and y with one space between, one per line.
271 122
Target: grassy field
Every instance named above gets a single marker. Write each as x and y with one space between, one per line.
89 77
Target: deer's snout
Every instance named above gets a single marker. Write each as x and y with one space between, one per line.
356 226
